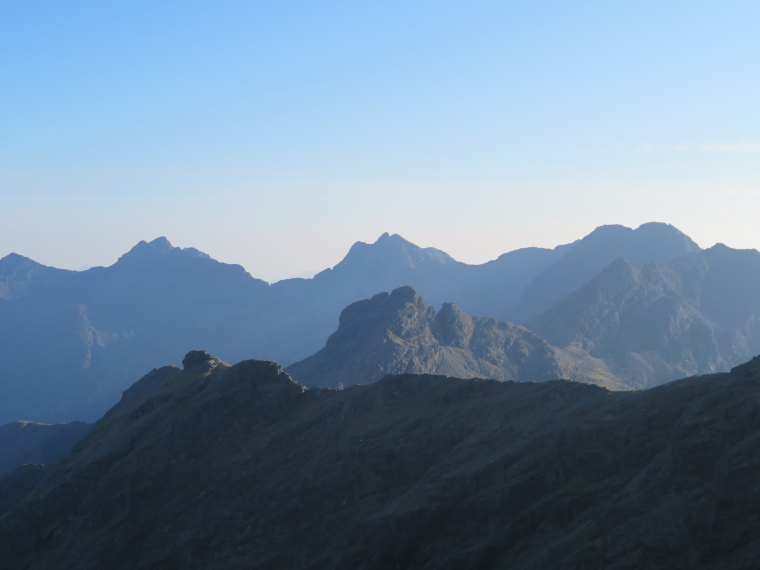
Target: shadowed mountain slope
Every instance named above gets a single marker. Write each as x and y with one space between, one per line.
29 442
398 332
240 467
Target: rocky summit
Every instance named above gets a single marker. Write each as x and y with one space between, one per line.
218 466
399 332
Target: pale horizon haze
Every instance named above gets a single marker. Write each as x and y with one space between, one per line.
274 135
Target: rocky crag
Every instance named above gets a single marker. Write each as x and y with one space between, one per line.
398 332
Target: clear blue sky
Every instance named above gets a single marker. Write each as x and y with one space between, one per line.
276 133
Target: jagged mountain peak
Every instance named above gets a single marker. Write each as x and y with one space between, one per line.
391 252
17 272
659 231
454 327
157 248
399 332
15 260
394 299
619 269
14 265
652 241
722 250
397 311
388 237
161 243
200 361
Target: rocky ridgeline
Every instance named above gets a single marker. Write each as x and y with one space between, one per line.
241 467
398 332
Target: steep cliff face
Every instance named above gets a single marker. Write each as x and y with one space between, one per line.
240 467
398 332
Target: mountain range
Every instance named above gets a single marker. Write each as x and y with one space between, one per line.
239 466
643 306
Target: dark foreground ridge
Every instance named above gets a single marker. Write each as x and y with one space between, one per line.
241 467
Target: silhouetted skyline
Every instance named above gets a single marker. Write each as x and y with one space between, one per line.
274 135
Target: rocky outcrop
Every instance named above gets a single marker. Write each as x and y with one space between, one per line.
240 467
398 332
200 361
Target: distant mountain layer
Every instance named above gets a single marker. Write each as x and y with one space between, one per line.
398 332
240 467
696 315
649 243
29 442
71 342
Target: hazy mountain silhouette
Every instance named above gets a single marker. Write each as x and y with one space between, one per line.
240 467
649 243
312 306
17 272
72 341
696 315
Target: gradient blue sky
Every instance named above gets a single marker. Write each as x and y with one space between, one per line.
275 134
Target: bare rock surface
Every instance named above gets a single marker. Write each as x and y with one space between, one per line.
398 332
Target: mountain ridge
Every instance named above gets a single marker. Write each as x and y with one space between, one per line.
232 464
84 336
652 242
